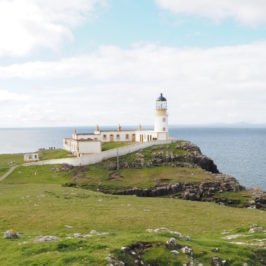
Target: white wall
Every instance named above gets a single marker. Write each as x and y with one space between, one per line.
122 136
162 135
145 136
86 147
161 122
96 158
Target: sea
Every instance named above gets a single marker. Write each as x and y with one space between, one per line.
239 152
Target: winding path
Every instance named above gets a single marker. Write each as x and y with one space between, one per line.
2 178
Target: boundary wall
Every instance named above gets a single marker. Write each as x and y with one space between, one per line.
99 157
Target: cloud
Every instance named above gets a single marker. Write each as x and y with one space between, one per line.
237 65
6 97
111 85
29 24
249 12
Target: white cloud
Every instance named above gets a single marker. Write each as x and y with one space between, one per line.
6 97
29 24
250 12
225 84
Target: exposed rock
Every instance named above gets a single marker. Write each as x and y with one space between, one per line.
203 161
136 250
91 234
46 239
258 198
203 191
66 167
230 237
187 250
113 261
256 229
216 261
68 226
11 234
164 229
171 244
175 252
216 250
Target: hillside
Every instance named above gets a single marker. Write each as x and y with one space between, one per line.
61 221
177 170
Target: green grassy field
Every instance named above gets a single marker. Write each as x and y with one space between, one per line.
46 209
34 202
9 160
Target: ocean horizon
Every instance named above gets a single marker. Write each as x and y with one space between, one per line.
239 152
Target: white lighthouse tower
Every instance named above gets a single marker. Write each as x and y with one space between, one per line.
161 118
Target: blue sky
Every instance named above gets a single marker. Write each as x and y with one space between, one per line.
70 63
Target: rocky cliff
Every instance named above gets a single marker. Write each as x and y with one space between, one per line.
210 185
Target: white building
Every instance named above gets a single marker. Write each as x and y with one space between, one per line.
31 157
87 143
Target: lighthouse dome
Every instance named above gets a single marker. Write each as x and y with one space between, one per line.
161 98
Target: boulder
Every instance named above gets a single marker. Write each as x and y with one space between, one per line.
187 250
256 229
171 244
11 234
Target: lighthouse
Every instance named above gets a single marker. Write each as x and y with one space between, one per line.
161 118
91 143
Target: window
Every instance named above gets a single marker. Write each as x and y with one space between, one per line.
127 136
104 137
164 129
117 136
164 119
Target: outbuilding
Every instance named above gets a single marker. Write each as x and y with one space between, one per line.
31 157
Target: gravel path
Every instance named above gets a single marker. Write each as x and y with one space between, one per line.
8 173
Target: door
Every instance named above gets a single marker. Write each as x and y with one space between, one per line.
134 137
111 138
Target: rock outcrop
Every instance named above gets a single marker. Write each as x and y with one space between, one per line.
203 191
191 155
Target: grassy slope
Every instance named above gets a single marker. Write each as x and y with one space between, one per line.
33 202
9 160
141 178
113 145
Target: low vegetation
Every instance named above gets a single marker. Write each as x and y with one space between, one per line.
34 202
47 154
113 145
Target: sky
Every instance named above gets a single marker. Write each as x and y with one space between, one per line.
87 62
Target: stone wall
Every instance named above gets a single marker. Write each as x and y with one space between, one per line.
96 158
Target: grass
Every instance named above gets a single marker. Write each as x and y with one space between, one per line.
45 209
9 160
53 154
240 199
34 203
95 175
113 145
46 174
